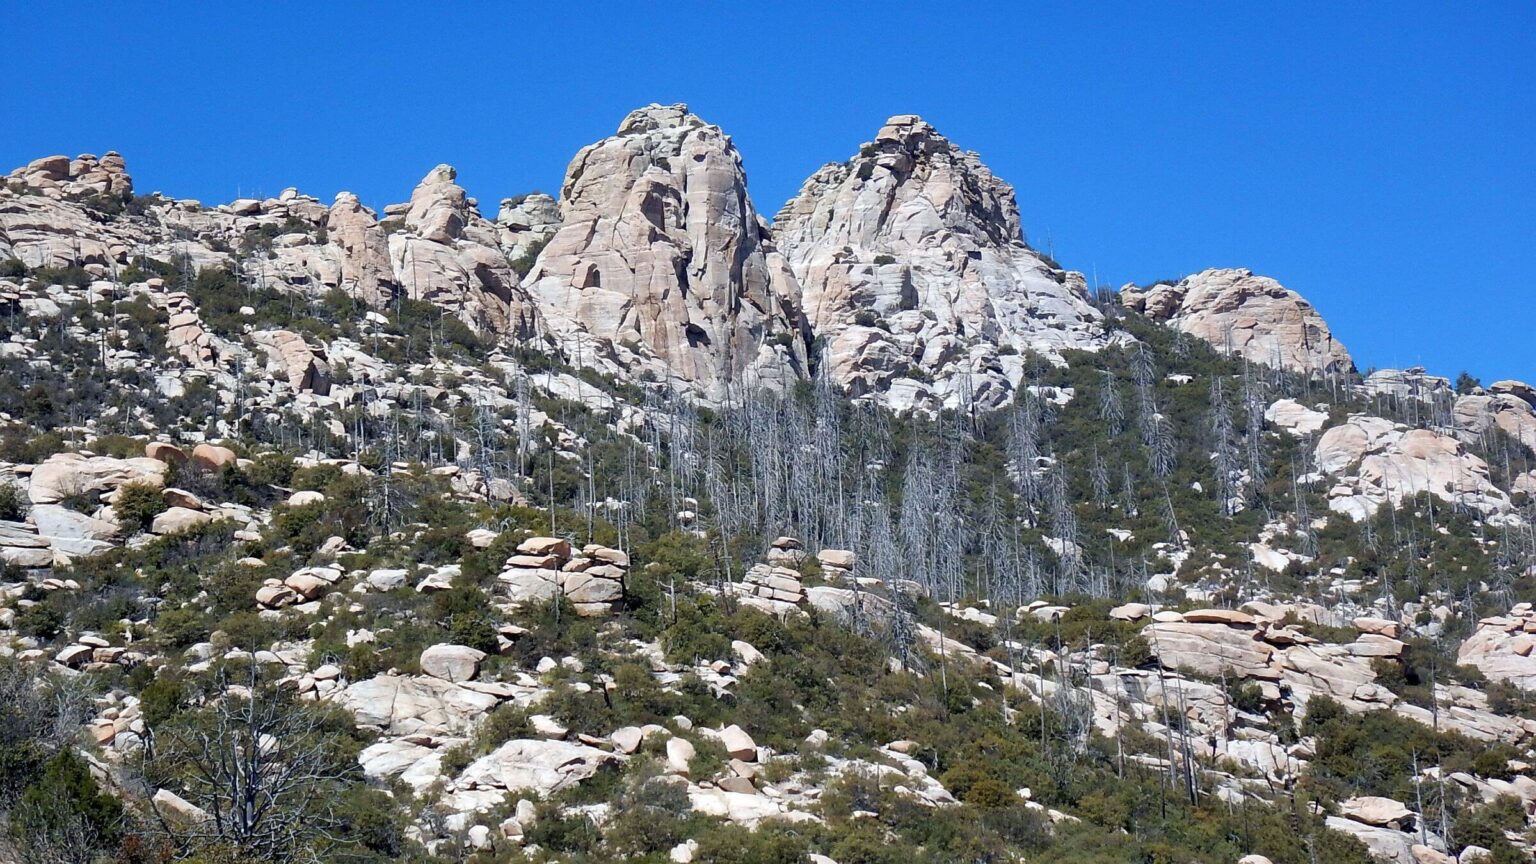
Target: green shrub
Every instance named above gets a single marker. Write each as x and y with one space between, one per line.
66 806
138 503
1485 826
13 503
990 793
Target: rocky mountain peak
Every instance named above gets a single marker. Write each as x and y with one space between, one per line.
439 206
662 266
657 116
913 267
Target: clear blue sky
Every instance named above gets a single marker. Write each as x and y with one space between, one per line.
1379 162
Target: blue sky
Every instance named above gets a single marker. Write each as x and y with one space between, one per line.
1381 161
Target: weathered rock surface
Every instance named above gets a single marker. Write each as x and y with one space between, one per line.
662 266
1376 462
402 705
1253 317
366 272
1502 646
1505 406
65 475
541 766
302 365
447 254
915 272
455 663
1295 418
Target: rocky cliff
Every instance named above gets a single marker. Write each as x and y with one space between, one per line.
663 269
917 279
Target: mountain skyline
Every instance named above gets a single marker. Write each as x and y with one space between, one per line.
1293 148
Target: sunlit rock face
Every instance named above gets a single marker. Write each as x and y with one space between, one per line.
1248 316
916 278
662 269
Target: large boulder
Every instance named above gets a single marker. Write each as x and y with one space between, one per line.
68 475
1238 313
662 266
534 765
1211 649
451 662
1378 811
303 366
917 278
1295 418
176 519
402 705
212 457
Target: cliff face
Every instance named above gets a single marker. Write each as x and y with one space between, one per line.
663 269
916 276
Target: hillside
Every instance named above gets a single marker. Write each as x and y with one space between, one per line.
637 526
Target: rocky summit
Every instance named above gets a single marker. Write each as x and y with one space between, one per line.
662 267
631 526
915 275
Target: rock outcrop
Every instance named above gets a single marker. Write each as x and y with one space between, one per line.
915 273
302 365
47 209
1253 317
57 212
663 269
1506 405
447 254
366 272
545 567
1375 462
1501 647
